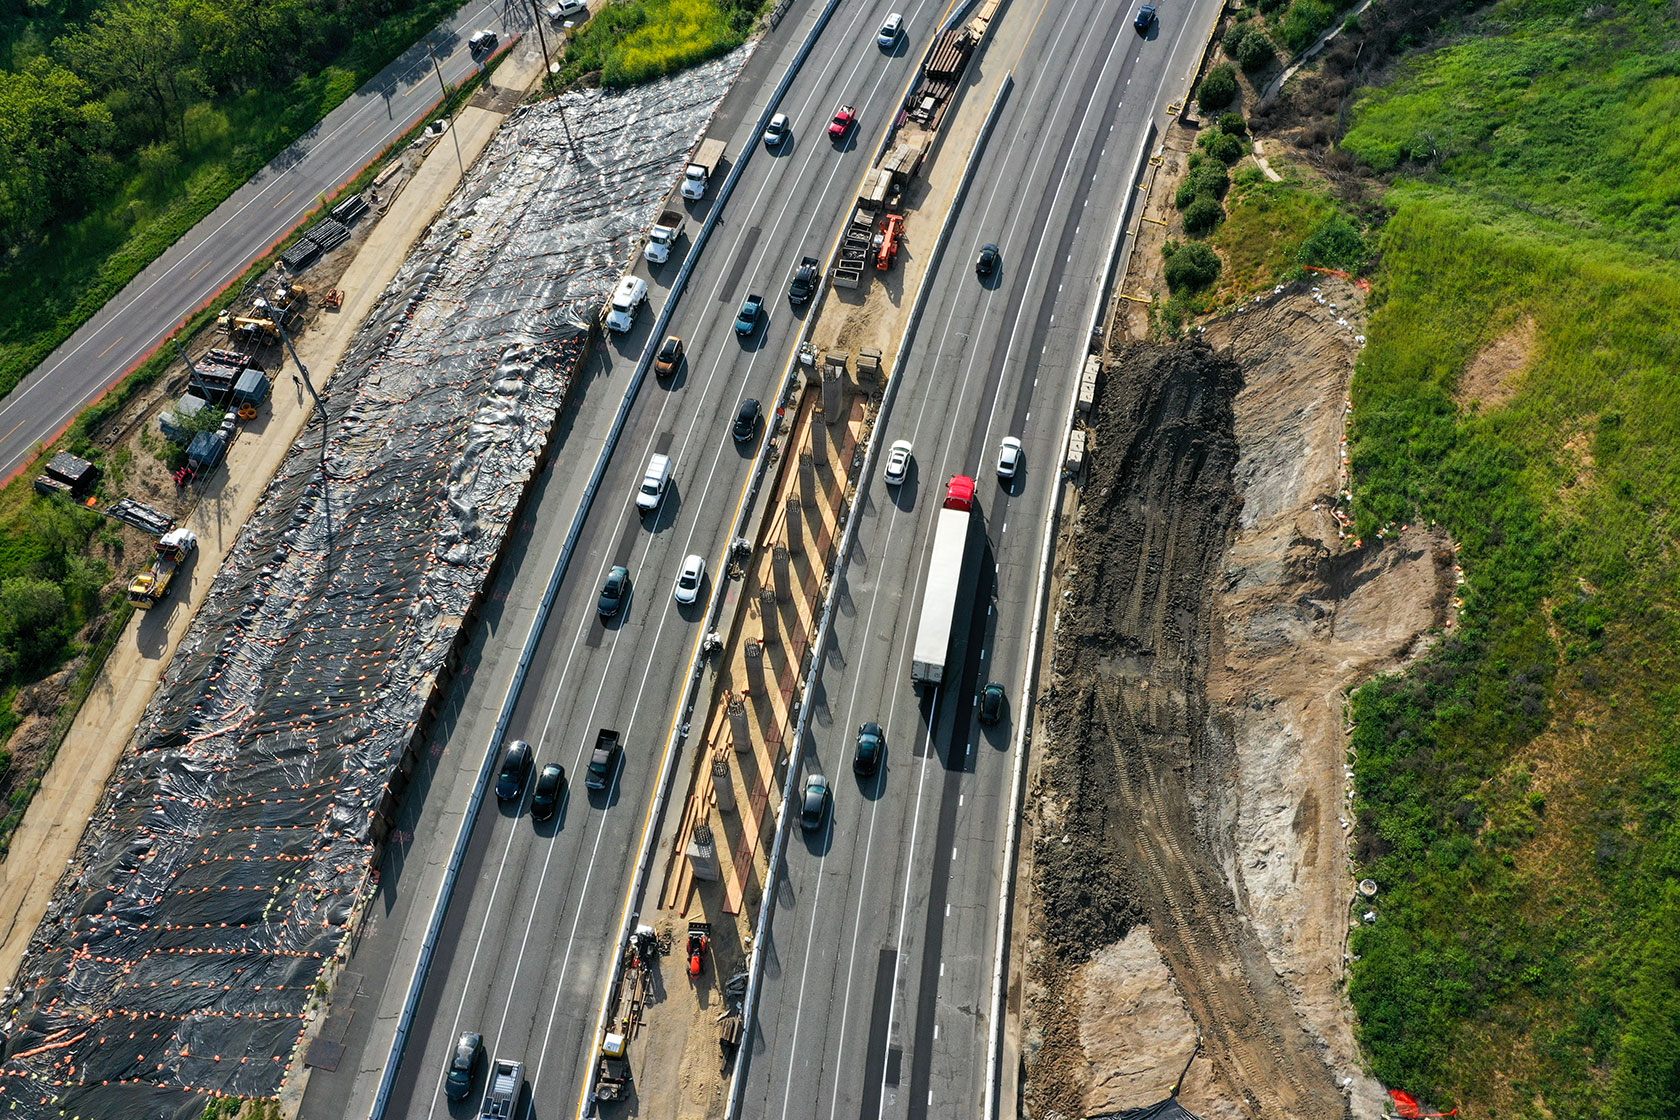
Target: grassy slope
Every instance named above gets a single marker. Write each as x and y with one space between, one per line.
1517 790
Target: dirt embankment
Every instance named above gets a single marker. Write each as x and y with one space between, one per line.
1211 613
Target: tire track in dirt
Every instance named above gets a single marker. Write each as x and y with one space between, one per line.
1119 837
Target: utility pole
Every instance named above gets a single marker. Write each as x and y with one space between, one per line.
536 17
458 158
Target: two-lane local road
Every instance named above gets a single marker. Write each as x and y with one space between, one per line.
221 246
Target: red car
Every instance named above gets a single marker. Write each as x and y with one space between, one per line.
844 118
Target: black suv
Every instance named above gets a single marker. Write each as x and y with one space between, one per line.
804 282
516 767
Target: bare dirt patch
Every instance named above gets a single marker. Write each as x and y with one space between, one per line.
1492 377
1212 615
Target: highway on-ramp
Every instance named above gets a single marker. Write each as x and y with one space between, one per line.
244 227
878 998
532 925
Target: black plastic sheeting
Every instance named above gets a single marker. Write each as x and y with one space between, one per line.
224 866
1168 1109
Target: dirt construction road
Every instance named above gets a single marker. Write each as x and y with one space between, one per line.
1137 778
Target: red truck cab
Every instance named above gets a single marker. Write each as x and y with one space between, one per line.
959 492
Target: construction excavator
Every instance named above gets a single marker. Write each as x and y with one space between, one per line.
892 231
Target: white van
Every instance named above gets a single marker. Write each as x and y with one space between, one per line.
654 481
630 294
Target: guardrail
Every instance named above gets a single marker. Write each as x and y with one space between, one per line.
755 967
428 947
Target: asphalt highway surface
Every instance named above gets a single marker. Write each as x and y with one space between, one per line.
531 928
879 1000
221 246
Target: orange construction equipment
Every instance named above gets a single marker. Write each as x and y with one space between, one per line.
334 300
891 231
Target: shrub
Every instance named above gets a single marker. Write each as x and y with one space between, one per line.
1209 179
1190 267
1218 88
1222 146
1202 215
34 621
1235 36
1304 22
1267 7
1334 243
1234 124
1256 52
1186 194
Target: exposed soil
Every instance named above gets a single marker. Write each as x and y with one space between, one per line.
1491 378
1211 614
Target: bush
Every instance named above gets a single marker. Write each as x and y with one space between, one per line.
1267 7
1334 243
1222 146
1233 124
1209 179
1202 215
34 622
1186 194
1190 267
1235 36
1305 21
1218 88
1256 53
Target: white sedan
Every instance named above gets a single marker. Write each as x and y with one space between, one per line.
898 462
1009 457
693 574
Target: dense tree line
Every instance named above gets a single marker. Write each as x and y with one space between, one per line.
93 91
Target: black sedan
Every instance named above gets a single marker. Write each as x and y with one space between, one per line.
463 1066
516 767
551 785
870 746
614 591
815 803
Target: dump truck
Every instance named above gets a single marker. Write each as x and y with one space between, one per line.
147 589
665 233
706 159
507 1079
612 1074
948 577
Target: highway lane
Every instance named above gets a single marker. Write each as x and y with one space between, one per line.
528 941
221 246
879 1000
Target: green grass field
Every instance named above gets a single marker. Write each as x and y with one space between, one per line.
1518 788
638 40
